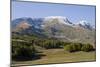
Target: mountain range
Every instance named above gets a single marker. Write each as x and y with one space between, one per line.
58 27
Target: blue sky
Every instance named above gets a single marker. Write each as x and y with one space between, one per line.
74 13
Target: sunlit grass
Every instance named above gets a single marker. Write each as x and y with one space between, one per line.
59 56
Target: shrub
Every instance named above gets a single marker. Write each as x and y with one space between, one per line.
50 44
78 47
73 47
25 53
68 48
22 51
87 47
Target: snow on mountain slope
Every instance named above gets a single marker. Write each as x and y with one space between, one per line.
85 24
55 26
60 19
40 22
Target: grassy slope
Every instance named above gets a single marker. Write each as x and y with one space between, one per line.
59 56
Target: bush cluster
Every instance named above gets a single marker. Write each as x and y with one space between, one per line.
49 44
78 47
87 48
22 50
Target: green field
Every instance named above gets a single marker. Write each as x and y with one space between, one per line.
58 56
48 51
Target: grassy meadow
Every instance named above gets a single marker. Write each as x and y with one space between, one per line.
35 51
59 56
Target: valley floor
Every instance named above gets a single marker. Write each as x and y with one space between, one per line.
52 56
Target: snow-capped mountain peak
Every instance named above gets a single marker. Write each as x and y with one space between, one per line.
60 19
38 23
85 24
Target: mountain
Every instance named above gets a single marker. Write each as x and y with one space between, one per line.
34 22
27 26
55 27
85 24
61 19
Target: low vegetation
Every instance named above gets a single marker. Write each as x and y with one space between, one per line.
23 49
78 47
87 47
